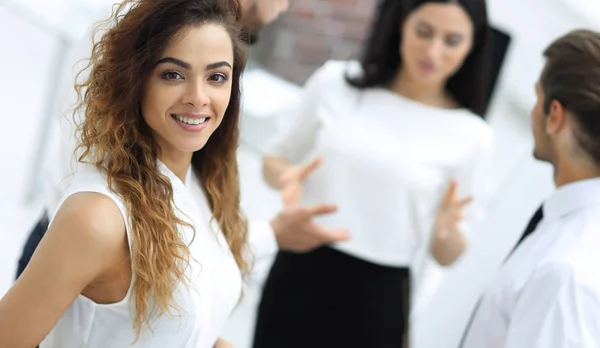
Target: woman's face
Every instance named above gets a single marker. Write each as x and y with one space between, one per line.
187 93
436 39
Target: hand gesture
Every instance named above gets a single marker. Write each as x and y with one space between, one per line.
450 213
291 181
296 231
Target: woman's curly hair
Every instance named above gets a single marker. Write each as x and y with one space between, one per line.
115 139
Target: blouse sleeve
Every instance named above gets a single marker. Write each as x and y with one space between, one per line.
261 240
300 132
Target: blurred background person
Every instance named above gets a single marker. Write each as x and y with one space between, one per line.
404 149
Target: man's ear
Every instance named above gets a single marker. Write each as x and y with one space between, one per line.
557 117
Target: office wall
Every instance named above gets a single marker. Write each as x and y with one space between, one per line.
26 65
312 32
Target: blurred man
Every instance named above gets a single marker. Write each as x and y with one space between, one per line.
292 229
547 294
258 13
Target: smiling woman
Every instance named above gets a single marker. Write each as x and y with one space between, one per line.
145 249
188 92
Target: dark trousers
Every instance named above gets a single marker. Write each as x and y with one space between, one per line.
34 239
330 299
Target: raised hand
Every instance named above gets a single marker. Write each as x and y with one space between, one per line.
292 179
296 231
450 213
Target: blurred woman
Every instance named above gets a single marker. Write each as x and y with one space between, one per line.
145 249
404 149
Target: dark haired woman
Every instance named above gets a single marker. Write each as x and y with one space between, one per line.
405 149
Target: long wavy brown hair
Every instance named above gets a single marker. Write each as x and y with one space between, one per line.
115 139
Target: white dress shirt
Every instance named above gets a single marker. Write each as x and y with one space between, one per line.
387 162
547 294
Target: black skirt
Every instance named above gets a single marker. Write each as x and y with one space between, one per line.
327 298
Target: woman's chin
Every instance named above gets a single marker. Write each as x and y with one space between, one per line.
190 148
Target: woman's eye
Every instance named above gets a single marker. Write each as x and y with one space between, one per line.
453 41
172 75
218 78
423 33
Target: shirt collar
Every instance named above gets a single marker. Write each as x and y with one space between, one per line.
572 197
175 180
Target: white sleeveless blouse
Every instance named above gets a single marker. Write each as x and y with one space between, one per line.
206 302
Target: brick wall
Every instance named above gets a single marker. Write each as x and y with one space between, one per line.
312 32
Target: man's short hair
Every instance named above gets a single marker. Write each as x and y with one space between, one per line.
572 77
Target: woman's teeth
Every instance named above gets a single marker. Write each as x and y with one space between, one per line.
191 121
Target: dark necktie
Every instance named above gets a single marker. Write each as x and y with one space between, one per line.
531 226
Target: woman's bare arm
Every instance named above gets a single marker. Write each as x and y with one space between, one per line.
84 241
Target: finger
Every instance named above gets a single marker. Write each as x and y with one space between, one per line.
464 201
322 209
309 167
450 193
334 235
223 344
